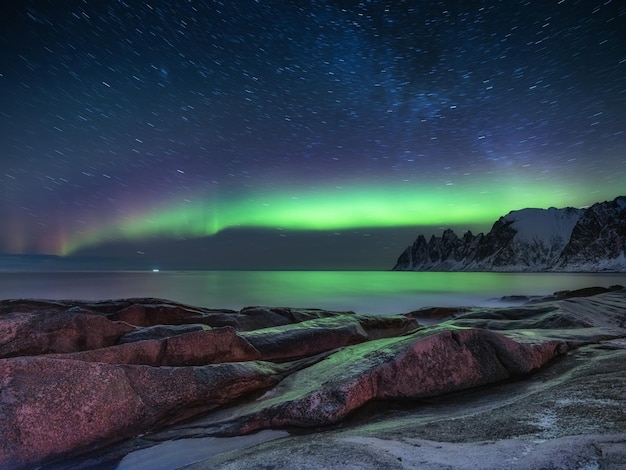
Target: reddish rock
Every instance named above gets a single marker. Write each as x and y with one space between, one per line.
306 338
94 387
160 332
155 314
206 347
255 318
51 407
424 364
312 337
435 314
386 326
42 332
188 349
149 353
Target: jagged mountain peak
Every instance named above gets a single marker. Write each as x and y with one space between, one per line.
532 239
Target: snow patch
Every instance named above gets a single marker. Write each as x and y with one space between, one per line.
537 225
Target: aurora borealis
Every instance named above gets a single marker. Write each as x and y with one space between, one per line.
196 131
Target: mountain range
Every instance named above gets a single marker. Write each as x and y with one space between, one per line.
568 240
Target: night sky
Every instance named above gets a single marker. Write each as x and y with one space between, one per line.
299 134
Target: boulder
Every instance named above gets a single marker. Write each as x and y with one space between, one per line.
254 318
196 348
53 331
311 337
429 315
306 338
386 326
426 363
141 314
159 332
249 318
51 407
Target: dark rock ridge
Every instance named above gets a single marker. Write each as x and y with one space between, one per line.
569 240
82 384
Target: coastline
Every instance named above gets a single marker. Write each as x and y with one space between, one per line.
523 383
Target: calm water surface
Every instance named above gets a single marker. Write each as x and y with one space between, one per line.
359 291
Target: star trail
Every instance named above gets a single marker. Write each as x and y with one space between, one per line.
133 123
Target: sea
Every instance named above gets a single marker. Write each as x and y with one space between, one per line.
380 292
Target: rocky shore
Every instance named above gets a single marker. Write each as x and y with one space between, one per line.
149 383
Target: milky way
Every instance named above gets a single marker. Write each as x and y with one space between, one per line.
131 121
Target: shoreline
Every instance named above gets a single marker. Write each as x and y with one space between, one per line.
520 381
361 292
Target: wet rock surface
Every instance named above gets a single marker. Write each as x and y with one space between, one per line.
93 384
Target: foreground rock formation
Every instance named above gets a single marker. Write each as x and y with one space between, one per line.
91 384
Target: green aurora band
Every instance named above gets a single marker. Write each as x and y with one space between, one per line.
331 210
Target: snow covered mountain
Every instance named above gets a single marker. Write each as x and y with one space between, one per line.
569 239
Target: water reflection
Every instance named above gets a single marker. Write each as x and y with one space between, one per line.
360 291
